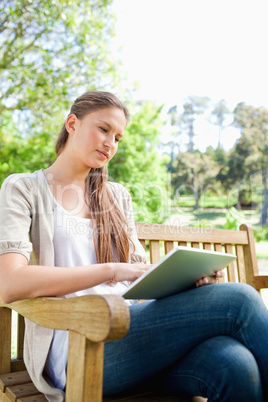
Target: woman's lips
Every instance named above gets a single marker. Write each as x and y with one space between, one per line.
102 154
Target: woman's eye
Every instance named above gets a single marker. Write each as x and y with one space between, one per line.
103 129
117 139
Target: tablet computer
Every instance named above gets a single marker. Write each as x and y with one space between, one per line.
177 271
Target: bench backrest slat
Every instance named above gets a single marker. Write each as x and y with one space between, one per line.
182 243
231 271
207 246
169 245
218 247
241 269
154 251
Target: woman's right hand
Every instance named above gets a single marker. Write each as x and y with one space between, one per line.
18 280
127 272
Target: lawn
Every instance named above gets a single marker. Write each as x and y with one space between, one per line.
207 201
216 215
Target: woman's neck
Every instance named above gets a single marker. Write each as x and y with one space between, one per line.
65 171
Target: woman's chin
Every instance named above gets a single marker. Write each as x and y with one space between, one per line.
96 165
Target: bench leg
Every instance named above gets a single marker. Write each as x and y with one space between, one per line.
5 340
84 370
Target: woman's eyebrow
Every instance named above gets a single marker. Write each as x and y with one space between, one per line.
107 124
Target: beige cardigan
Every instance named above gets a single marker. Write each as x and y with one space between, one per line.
27 227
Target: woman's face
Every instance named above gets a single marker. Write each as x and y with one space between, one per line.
94 139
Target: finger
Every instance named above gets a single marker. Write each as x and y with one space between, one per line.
207 280
202 282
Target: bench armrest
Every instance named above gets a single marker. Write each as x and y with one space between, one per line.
99 318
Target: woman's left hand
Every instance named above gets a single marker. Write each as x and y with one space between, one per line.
208 280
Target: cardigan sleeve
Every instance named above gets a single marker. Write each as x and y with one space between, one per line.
15 216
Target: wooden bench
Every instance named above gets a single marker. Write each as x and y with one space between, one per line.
91 320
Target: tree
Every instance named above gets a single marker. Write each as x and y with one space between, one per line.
171 149
236 173
51 51
194 171
219 155
221 159
219 114
138 165
253 123
20 155
194 106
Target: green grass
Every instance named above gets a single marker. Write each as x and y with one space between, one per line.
217 202
185 201
262 249
223 201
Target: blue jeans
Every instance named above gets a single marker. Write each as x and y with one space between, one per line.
210 341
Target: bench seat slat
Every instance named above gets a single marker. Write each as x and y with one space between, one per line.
7 380
19 391
35 398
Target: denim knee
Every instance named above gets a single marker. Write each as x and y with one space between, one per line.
242 295
238 377
220 369
240 290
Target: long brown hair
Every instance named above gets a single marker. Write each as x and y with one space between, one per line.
110 229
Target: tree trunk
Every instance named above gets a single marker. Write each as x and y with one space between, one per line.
263 220
219 140
238 205
191 138
196 197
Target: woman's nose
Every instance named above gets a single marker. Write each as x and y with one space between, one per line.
110 142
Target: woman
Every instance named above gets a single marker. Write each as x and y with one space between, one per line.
66 231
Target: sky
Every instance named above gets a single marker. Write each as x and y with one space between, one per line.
178 48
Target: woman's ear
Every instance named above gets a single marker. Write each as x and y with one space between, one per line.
70 123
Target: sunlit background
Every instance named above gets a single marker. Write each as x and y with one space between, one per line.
176 48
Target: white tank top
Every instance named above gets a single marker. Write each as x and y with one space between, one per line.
73 246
